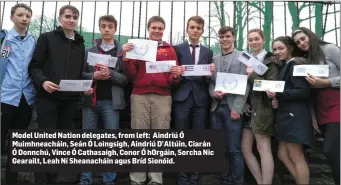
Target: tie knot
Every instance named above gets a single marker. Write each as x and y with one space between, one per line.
194 46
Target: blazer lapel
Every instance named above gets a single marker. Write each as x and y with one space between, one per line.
187 54
230 62
201 54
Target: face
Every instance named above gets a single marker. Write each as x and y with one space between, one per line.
68 20
194 30
280 50
21 18
302 41
107 29
156 30
255 41
226 40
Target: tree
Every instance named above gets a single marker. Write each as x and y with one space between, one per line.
224 19
44 24
267 12
295 10
177 38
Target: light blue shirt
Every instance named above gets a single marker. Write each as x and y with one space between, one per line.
16 79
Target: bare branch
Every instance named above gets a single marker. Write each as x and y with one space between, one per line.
256 16
253 4
246 21
303 6
310 17
331 30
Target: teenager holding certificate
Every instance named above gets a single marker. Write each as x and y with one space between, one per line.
227 108
327 100
17 91
151 101
59 55
261 125
191 99
107 97
293 117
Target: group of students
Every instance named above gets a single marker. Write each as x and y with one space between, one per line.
165 100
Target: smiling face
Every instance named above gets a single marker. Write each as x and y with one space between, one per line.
255 42
21 18
68 20
226 40
281 51
156 30
302 41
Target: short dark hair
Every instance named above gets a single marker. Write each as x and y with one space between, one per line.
198 20
20 5
68 7
156 19
108 18
226 29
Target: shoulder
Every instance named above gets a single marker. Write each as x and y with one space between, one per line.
328 47
270 59
179 45
3 34
217 57
47 35
79 38
237 52
206 49
91 49
300 61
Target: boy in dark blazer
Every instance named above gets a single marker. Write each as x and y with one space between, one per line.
191 99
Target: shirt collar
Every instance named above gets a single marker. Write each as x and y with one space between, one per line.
199 44
16 35
261 55
234 50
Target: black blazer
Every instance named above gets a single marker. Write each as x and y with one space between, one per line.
197 84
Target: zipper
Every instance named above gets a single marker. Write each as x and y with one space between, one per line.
68 59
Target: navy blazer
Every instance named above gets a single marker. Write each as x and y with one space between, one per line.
197 84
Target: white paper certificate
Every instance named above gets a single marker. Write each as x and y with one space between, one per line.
197 70
231 83
75 85
249 60
268 85
143 50
315 70
94 58
159 66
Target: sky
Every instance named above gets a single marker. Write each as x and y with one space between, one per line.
127 27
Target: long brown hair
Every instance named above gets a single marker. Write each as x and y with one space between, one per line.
315 54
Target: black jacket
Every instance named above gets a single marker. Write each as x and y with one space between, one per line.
57 58
293 119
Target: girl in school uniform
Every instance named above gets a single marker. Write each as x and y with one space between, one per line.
327 91
260 126
293 118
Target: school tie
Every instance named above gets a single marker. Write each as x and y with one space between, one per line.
193 52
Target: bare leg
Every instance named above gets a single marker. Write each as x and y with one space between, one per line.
250 158
297 156
267 162
283 155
